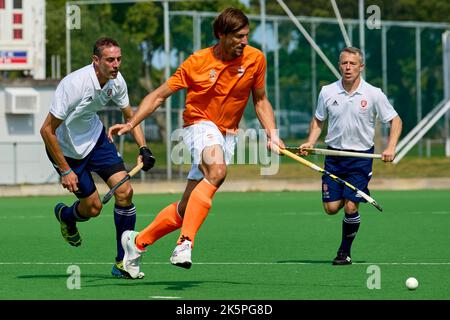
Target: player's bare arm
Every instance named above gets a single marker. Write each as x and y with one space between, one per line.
145 155
264 112
388 154
69 179
137 131
148 105
315 129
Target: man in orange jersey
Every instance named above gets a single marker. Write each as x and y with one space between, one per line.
219 80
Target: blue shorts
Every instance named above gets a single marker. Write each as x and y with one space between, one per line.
356 171
103 159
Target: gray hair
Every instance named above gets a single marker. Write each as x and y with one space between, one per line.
353 50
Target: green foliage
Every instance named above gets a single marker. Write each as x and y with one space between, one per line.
139 29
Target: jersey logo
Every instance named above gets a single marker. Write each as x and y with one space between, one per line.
240 71
109 92
335 103
363 104
212 75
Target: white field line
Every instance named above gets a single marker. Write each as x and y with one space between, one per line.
232 263
288 213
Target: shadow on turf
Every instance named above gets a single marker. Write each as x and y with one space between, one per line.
171 285
314 261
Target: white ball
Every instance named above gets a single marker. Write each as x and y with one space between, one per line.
412 283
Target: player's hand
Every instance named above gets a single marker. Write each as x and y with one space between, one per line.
306 145
274 143
119 129
147 158
388 154
70 182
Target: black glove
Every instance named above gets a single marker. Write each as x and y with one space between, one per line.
147 158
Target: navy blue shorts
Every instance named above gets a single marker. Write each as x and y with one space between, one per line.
103 159
356 171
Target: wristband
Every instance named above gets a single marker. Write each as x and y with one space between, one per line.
65 173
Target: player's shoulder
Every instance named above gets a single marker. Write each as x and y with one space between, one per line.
252 51
76 80
201 55
77 77
370 89
120 80
331 88
253 55
198 59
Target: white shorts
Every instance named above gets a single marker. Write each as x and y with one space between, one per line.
205 134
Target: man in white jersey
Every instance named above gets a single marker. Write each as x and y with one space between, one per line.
77 145
351 106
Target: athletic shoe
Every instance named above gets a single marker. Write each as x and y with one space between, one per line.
132 256
181 256
68 231
119 272
342 258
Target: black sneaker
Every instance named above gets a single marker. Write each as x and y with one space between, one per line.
342 258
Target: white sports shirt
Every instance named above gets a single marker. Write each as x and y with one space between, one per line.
351 117
77 99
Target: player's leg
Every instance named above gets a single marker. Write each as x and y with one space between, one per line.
86 206
124 211
350 227
333 200
209 150
361 172
106 162
135 243
213 168
167 220
198 203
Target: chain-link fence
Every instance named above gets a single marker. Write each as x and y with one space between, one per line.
403 58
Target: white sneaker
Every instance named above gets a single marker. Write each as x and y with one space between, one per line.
132 256
181 256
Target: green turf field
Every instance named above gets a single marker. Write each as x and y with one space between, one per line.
252 246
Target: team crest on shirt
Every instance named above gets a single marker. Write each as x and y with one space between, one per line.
212 75
363 103
335 103
240 71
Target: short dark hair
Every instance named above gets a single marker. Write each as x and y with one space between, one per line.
103 43
230 20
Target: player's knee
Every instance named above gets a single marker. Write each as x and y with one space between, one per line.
350 209
216 175
330 209
125 194
94 209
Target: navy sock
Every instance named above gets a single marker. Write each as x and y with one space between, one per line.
70 215
350 226
124 219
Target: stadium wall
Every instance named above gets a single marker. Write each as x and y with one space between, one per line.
23 108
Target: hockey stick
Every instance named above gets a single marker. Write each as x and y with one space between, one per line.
110 193
332 176
339 153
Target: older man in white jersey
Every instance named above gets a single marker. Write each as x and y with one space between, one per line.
351 106
77 145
